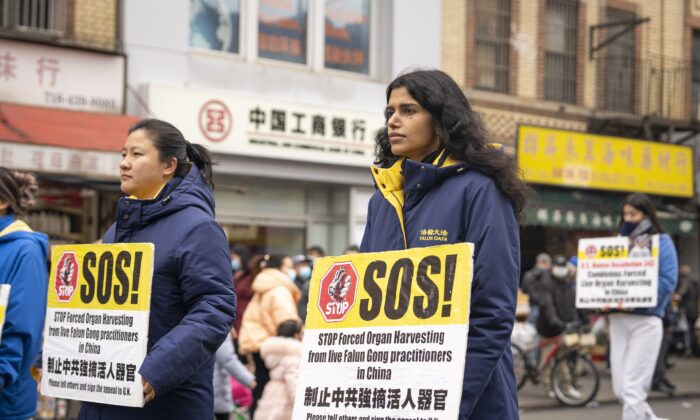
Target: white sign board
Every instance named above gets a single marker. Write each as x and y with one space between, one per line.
618 271
51 159
234 124
386 336
4 299
96 329
59 77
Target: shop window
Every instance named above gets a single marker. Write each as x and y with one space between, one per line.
282 30
215 25
347 32
696 76
492 45
560 51
620 66
33 16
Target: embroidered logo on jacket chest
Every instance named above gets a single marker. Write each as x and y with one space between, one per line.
439 235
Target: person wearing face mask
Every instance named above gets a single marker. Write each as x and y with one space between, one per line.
557 299
302 267
275 299
636 333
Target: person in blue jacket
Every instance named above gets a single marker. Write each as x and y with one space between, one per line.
171 204
23 265
435 170
636 333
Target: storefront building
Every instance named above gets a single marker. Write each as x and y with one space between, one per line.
288 95
62 101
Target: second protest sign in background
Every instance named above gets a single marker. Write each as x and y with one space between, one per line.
96 328
386 335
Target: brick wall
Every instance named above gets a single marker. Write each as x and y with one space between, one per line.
95 23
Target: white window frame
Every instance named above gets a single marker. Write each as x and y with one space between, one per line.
315 41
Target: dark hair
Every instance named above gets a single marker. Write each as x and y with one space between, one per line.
643 203
171 143
17 189
461 131
243 252
289 328
272 261
317 249
352 248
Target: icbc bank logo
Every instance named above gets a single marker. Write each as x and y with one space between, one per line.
338 289
66 276
215 120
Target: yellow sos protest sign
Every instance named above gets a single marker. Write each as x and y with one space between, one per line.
4 299
105 276
418 286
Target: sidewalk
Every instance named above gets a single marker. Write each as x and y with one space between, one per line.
685 374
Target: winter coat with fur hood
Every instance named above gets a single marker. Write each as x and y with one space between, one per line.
282 356
275 301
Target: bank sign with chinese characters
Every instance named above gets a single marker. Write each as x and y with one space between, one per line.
256 126
59 77
574 159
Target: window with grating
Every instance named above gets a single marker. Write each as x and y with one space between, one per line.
492 49
696 76
40 16
560 51
620 64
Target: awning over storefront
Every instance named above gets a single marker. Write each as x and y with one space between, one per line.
593 211
61 128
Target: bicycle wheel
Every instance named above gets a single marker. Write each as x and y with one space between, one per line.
519 365
575 379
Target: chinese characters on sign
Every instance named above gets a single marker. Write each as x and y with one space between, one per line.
269 128
390 357
58 77
58 159
618 270
347 26
95 334
573 159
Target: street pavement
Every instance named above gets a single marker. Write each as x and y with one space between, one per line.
674 409
685 374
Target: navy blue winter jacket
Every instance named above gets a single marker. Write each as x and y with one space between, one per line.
447 196
192 303
22 266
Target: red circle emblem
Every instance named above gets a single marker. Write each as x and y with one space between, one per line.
337 292
66 278
215 120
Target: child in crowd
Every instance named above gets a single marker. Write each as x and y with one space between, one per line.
282 355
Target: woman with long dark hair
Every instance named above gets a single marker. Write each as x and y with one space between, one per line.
170 203
435 169
23 254
636 333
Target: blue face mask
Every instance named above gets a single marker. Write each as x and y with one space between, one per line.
292 275
305 273
235 264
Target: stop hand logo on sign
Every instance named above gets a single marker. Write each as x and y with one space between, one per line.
66 276
337 293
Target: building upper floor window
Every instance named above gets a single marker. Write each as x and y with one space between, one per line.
560 51
33 16
695 100
286 30
492 49
215 25
620 65
347 30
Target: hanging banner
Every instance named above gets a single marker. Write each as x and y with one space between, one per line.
386 335
618 270
96 327
4 298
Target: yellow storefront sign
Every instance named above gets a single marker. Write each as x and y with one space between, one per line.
105 276
575 159
420 286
